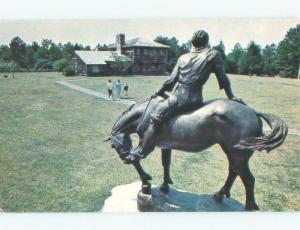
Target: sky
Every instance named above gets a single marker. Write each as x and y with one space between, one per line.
93 31
97 21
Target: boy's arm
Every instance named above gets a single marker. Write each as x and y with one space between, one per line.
170 83
223 80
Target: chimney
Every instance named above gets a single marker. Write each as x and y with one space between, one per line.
120 41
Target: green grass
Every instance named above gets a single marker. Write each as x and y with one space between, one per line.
52 157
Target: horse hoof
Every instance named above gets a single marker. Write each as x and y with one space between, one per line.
169 181
227 194
148 177
146 188
251 207
217 197
164 188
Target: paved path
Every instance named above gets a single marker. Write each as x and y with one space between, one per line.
129 102
94 93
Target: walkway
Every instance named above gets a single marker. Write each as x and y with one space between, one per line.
94 93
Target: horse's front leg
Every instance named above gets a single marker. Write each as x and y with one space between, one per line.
166 161
146 186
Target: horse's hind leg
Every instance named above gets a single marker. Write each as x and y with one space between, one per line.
225 190
166 161
146 186
241 164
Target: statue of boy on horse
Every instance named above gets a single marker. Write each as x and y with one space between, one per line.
191 73
182 121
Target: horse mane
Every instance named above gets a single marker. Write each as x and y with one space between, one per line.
115 127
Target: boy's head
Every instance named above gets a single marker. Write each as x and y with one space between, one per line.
119 80
109 81
200 39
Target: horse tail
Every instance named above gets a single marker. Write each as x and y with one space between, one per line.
274 139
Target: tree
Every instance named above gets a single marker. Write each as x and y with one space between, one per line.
44 49
10 67
221 48
186 47
175 50
288 53
60 64
105 47
119 64
4 53
269 58
18 51
234 62
251 61
68 50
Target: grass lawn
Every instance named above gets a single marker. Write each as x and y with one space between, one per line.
52 157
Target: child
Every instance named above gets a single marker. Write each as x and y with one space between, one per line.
118 89
125 90
109 87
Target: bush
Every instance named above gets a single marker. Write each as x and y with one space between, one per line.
43 64
60 65
69 71
119 64
8 67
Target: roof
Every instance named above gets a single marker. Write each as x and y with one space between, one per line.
99 57
142 42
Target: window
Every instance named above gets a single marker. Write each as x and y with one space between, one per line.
95 69
138 51
145 51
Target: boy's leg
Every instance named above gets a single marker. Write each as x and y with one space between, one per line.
163 111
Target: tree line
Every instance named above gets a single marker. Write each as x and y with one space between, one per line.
282 59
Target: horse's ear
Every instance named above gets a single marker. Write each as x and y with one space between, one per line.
107 139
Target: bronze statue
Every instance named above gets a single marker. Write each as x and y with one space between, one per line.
191 73
182 121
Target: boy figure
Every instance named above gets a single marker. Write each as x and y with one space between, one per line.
118 89
191 73
109 87
125 90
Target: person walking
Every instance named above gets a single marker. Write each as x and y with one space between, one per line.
125 90
109 87
118 89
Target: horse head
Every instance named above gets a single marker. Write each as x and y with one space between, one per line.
122 143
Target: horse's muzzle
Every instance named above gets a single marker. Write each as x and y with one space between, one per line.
125 157
128 158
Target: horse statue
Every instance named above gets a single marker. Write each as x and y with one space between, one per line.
236 127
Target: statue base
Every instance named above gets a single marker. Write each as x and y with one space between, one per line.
129 198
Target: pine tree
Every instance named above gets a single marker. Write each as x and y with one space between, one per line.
288 53
18 51
269 59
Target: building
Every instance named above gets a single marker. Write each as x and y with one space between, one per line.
95 63
146 58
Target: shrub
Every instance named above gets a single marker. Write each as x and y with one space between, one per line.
119 64
43 64
8 67
69 71
60 65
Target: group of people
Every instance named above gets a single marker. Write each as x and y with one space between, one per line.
114 91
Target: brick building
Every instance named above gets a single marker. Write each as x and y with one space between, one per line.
147 58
